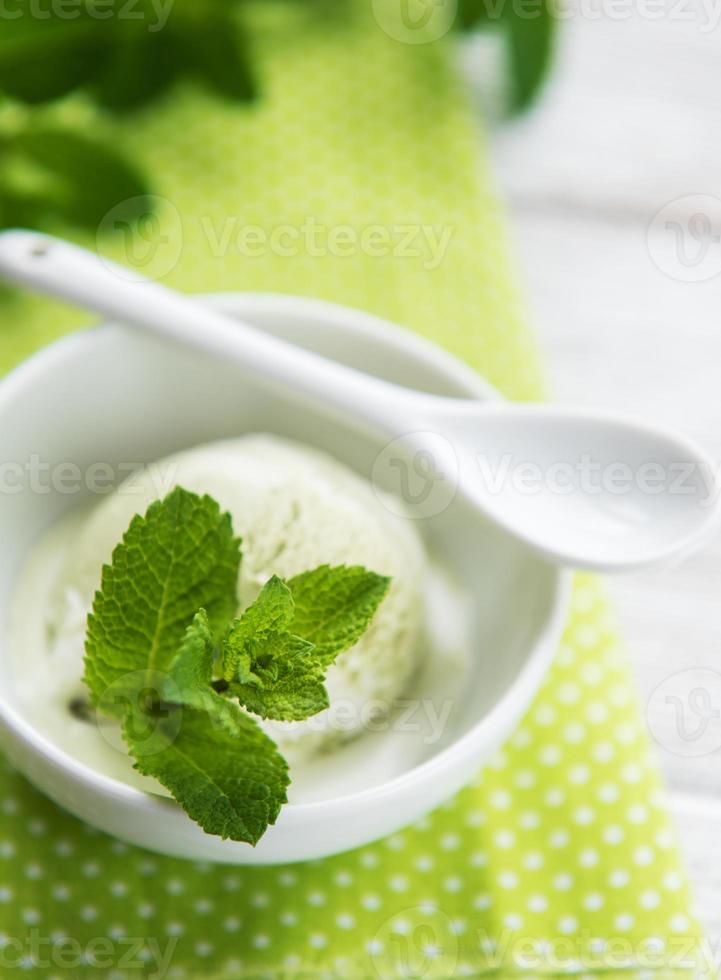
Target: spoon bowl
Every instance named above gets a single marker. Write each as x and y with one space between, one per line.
635 495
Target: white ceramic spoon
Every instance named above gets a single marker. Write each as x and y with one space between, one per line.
583 488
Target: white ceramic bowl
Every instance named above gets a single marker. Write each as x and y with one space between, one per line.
110 394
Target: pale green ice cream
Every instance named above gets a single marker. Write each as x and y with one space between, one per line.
295 508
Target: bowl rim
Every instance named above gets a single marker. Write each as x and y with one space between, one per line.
514 700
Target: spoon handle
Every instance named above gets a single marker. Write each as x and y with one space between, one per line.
66 271
601 530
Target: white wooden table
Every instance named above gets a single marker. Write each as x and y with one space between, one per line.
630 122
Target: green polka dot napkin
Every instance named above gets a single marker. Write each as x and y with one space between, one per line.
560 857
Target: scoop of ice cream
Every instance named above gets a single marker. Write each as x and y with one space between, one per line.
295 508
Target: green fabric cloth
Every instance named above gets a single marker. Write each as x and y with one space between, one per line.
561 852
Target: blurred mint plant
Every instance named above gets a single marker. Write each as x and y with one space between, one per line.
126 53
49 172
529 36
122 55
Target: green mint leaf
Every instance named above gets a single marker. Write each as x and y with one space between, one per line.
85 178
181 556
125 62
42 59
334 606
284 682
140 67
272 611
217 51
529 43
191 670
530 51
189 677
233 785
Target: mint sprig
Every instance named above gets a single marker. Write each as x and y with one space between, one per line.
126 63
165 655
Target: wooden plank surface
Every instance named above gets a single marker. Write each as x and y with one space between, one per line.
630 123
